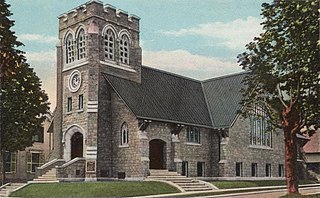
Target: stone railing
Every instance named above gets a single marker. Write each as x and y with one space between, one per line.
74 170
48 166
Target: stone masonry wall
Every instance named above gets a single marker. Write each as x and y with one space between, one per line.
127 158
178 149
237 148
75 170
112 156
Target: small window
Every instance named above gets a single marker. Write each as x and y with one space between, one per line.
124 134
81 45
35 159
69 49
193 135
281 170
124 49
11 162
38 136
80 102
238 169
69 105
200 169
254 170
185 168
109 45
268 170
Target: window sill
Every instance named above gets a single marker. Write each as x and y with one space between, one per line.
260 147
118 66
124 146
193 144
80 110
68 113
74 64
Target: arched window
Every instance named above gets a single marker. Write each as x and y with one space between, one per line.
109 45
81 45
124 49
69 49
124 134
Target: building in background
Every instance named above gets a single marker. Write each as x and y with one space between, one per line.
312 153
22 165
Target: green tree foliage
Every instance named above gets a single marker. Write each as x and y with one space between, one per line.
23 103
284 78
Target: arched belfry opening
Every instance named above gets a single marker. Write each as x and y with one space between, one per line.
76 145
157 154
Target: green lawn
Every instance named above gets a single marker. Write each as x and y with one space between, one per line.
247 184
95 189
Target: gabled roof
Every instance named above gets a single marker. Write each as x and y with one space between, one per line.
223 97
313 146
164 96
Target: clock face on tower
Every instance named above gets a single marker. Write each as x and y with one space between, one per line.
74 81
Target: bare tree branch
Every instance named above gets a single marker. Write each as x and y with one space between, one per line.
280 96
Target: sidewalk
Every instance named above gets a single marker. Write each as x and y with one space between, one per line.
229 192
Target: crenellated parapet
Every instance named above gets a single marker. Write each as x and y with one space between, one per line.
96 9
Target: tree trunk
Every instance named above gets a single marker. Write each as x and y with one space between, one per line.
291 123
3 168
291 164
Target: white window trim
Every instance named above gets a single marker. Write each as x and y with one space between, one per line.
107 52
15 163
124 131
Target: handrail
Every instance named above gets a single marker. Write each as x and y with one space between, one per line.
4 185
71 162
50 163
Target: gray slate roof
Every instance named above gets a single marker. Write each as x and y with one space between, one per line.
223 97
169 97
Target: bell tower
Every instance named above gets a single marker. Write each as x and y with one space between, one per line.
94 39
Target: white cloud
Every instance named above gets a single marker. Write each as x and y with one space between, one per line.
234 34
179 61
191 65
44 64
37 38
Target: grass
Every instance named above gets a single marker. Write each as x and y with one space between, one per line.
248 184
95 189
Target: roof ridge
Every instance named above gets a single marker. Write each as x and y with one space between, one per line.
224 76
172 74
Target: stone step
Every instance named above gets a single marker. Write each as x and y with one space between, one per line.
184 182
47 176
45 179
17 184
197 189
168 176
3 192
195 186
190 184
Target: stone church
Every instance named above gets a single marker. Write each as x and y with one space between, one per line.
116 118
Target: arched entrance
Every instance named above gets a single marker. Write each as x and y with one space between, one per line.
76 145
157 154
73 141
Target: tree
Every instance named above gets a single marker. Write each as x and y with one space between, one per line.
284 74
23 104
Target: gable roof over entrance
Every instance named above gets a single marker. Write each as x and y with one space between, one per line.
169 97
223 97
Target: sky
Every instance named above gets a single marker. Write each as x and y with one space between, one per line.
195 38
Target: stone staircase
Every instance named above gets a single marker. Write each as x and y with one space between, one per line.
48 177
6 189
184 183
314 175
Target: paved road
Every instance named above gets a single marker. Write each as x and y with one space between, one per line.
269 193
